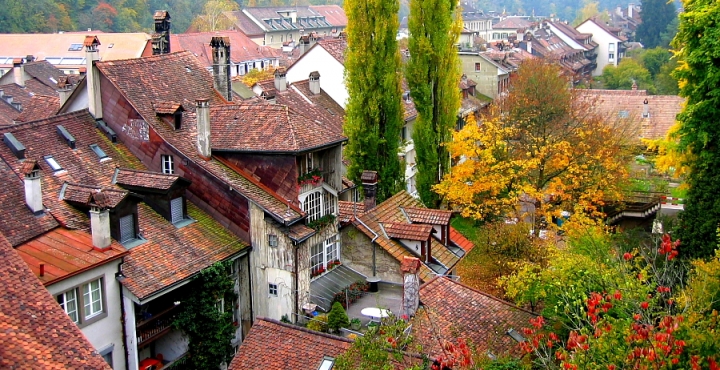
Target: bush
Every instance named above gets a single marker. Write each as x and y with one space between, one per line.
319 323
337 318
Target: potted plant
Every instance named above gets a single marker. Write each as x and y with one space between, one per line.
355 324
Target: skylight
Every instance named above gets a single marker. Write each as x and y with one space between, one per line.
53 163
327 363
98 151
515 335
75 47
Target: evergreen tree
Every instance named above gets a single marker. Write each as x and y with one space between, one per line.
656 15
374 115
699 77
433 73
337 317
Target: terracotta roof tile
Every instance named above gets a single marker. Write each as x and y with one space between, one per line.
148 79
390 211
407 231
35 333
334 14
242 48
293 347
428 216
246 25
350 210
39 107
166 107
144 179
452 310
460 240
65 253
44 72
299 231
336 47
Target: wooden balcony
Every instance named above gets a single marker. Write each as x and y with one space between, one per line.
156 326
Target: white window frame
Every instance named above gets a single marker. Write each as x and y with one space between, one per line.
174 204
322 254
90 302
168 164
272 289
313 205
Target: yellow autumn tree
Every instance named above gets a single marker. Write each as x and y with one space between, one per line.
671 159
544 144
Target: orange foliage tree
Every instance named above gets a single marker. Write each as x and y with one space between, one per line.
545 144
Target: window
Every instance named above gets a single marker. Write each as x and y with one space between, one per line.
273 290
220 304
611 47
477 67
177 213
98 152
331 252
611 57
623 114
106 354
272 240
53 163
127 228
312 206
403 133
75 47
84 304
317 264
168 167
322 255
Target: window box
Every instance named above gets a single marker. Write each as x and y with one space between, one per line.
312 177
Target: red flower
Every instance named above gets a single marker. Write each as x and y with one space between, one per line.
627 256
618 295
644 305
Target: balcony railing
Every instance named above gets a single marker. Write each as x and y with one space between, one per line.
155 327
327 178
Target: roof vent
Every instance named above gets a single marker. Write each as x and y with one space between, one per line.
108 131
15 146
69 139
98 151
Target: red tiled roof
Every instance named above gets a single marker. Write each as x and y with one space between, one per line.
334 14
39 107
245 24
336 47
407 231
267 128
242 49
320 107
662 108
451 310
428 215
390 211
512 23
460 240
144 179
272 345
65 253
349 210
147 79
166 107
88 195
44 72
34 331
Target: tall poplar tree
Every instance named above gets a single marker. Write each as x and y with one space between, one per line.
433 73
373 117
699 77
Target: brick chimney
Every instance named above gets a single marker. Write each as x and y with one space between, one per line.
221 65
369 182
315 82
202 114
161 38
33 186
280 79
93 76
19 71
411 285
100 227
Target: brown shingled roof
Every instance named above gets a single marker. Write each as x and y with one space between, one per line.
242 49
428 215
407 231
144 179
39 107
451 310
35 333
272 345
336 47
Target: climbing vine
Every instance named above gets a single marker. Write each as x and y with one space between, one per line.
206 317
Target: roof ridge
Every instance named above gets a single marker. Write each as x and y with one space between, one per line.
305 330
43 121
477 291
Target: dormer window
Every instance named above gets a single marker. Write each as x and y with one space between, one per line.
54 165
127 229
178 120
177 210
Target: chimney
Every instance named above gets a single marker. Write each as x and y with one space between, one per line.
634 86
304 44
19 71
315 82
280 79
33 188
161 38
369 182
93 76
221 66
646 109
630 10
100 227
202 114
411 285
64 89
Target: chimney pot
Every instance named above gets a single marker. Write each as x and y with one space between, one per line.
411 285
315 82
280 79
33 186
369 181
42 269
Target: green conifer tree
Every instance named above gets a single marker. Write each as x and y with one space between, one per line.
374 115
699 77
433 74
656 15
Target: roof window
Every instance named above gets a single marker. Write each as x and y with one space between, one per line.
327 363
99 152
75 47
53 163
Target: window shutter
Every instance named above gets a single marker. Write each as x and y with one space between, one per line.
127 228
176 210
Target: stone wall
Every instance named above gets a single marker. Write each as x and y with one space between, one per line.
357 253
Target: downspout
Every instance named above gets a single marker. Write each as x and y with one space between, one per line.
122 313
296 286
252 315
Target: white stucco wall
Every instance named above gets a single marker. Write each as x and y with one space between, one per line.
281 304
332 73
603 39
108 330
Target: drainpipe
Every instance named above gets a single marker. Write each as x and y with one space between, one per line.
372 241
122 314
296 286
252 314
